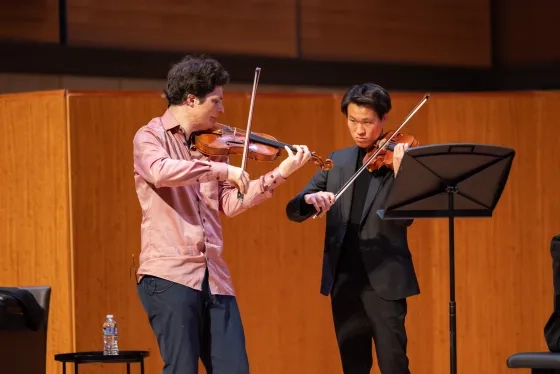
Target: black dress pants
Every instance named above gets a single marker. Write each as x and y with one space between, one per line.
360 316
191 324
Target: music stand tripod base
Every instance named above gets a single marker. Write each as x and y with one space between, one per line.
449 181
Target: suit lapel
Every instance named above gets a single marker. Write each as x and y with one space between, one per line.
346 173
374 186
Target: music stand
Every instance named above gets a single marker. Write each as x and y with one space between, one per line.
449 180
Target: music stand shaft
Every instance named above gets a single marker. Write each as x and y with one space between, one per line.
452 305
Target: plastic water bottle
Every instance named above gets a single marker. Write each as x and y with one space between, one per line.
110 336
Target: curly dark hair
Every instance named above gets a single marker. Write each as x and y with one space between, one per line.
196 75
367 94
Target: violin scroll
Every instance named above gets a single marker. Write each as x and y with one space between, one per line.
324 165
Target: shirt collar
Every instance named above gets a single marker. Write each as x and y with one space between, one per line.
169 121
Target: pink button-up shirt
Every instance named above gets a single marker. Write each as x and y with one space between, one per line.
181 193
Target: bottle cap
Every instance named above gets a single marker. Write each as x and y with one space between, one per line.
109 316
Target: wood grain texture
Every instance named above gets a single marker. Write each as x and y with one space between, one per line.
526 32
30 21
426 32
265 27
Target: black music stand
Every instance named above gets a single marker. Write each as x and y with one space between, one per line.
449 180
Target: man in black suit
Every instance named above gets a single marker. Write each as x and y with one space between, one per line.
367 266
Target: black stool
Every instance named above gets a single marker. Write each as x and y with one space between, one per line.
538 362
78 358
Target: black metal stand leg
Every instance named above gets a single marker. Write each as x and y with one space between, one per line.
452 306
75 368
64 368
142 366
128 368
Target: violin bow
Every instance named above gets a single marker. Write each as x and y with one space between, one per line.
383 146
249 121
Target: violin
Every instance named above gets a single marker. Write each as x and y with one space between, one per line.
225 140
375 159
385 156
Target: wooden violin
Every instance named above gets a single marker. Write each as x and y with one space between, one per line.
225 140
385 156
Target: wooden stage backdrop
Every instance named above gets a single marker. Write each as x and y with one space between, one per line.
70 219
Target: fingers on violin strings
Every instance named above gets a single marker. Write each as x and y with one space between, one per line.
303 153
288 150
299 152
307 152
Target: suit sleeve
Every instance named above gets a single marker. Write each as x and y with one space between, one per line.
297 209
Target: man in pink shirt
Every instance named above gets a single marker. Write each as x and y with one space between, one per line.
183 281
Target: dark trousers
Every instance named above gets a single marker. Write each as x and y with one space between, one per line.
361 316
191 324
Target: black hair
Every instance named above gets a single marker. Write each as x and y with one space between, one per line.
367 94
196 75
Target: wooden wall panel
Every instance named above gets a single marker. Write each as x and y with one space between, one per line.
503 266
35 245
264 27
30 21
427 32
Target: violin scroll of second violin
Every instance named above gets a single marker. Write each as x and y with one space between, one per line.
226 140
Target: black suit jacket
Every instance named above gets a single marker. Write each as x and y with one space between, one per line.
383 243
